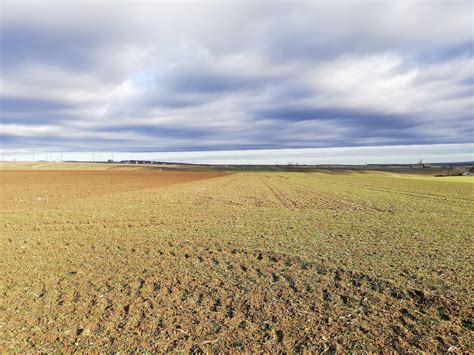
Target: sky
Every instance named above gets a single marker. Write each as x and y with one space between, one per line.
231 77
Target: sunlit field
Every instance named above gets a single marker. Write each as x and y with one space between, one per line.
144 259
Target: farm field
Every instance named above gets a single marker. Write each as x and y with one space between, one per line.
141 259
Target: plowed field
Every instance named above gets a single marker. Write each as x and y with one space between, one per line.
196 261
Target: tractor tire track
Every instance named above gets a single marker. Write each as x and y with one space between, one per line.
285 199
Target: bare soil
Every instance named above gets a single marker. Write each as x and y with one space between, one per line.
210 262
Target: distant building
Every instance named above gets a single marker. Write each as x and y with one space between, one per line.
460 171
468 172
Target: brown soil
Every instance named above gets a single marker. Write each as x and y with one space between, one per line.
24 189
116 260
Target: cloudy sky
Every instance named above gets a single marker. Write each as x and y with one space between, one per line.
161 77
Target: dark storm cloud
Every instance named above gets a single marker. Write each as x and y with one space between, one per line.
150 76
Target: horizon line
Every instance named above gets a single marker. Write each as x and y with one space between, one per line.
359 155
